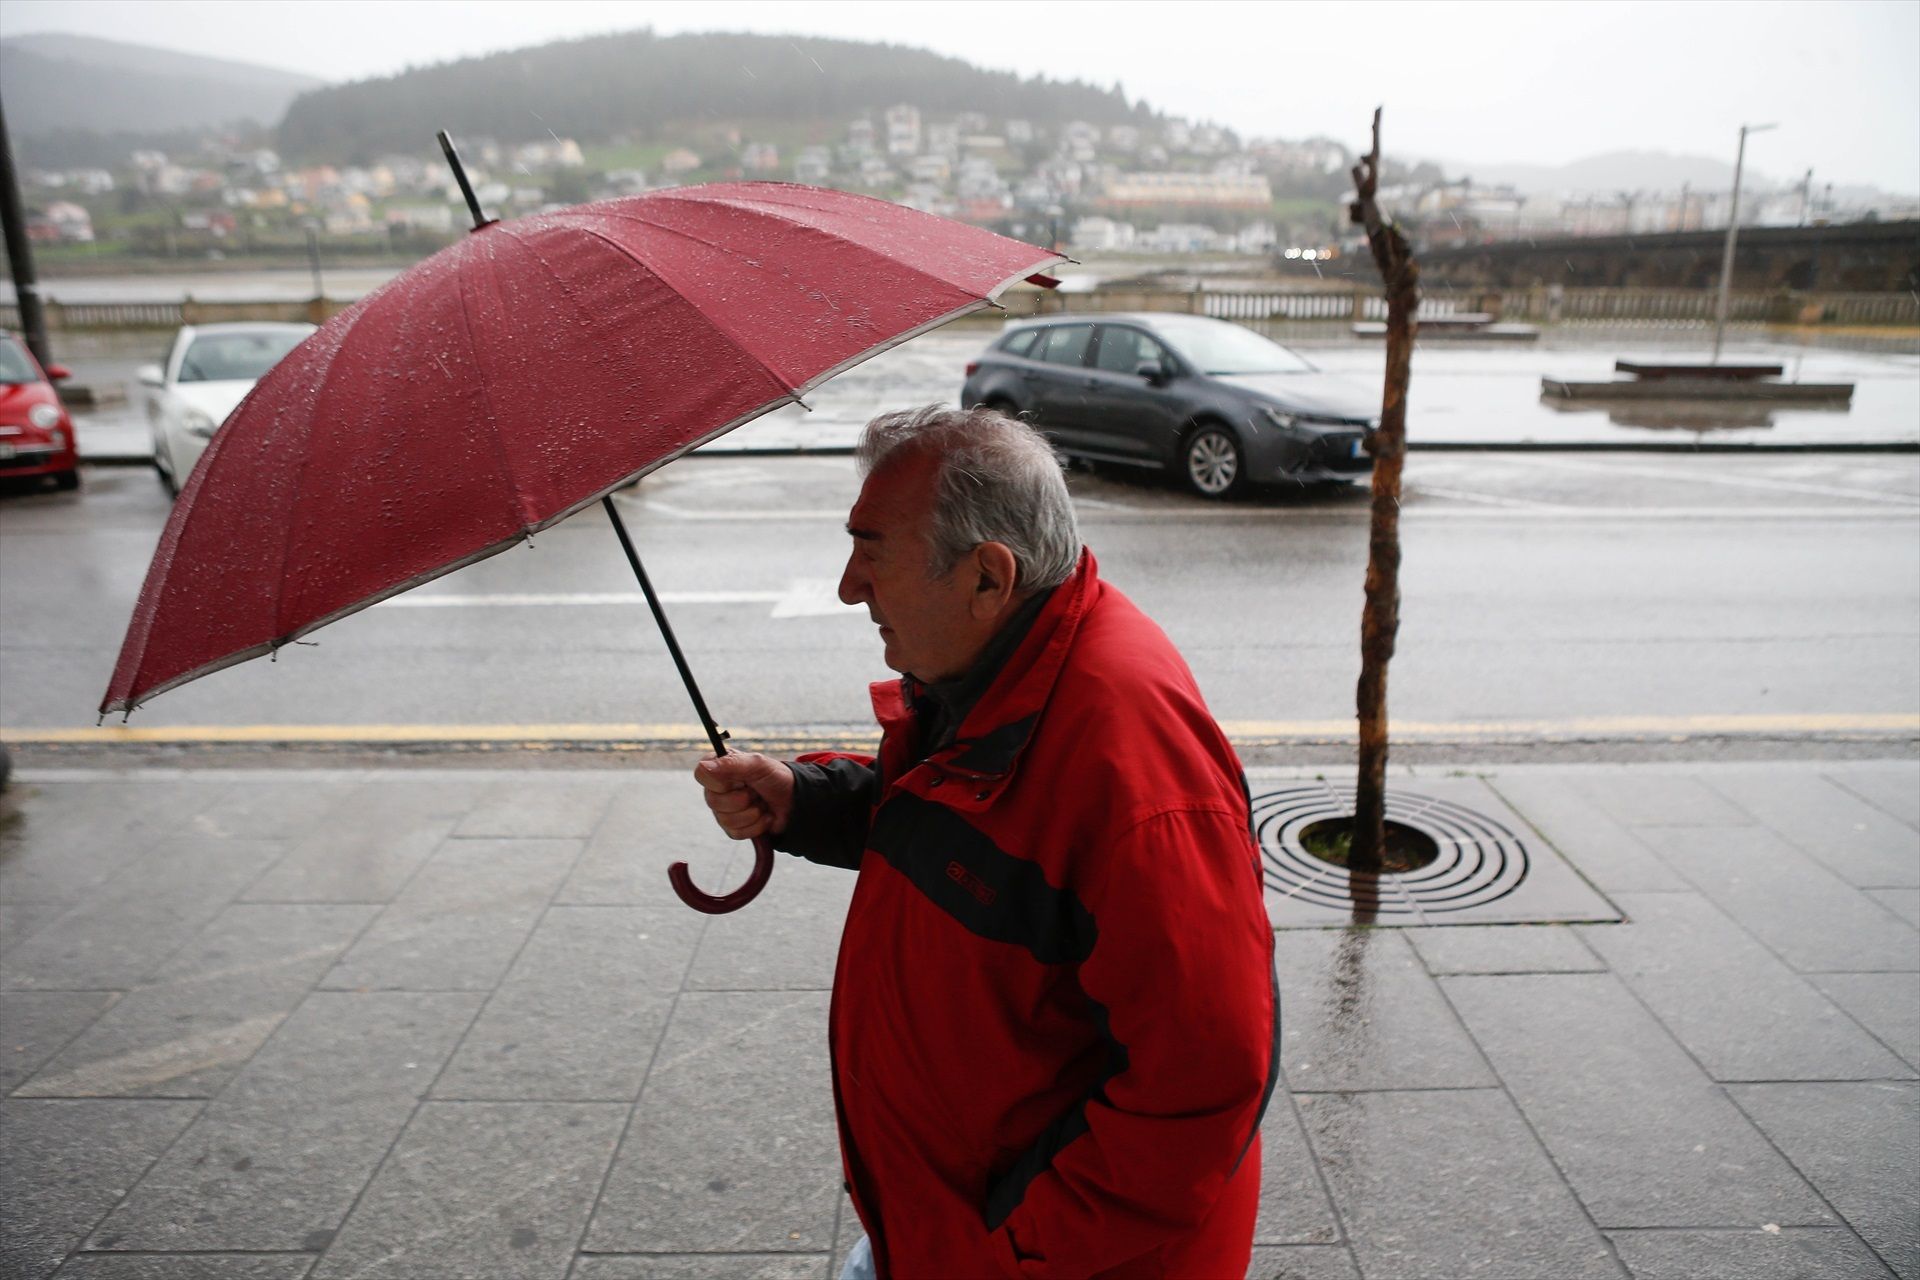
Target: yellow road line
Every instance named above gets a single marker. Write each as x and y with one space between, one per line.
1238 730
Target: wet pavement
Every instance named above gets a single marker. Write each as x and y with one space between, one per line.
1464 395
418 1022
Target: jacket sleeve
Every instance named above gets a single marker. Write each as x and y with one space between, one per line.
1180 980
833 799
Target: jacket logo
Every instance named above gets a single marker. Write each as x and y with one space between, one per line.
972 883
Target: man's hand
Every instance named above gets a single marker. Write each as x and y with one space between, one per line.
750 795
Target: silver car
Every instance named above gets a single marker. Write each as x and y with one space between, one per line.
208 371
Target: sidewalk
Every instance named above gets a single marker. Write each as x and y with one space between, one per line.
419 1023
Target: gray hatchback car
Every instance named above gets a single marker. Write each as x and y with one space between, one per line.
1211 403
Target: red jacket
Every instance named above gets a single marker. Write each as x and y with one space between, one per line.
1054 1024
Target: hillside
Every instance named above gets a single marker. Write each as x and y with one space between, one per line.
1611 173
637 84
66 84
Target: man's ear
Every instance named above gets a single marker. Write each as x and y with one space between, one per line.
996 571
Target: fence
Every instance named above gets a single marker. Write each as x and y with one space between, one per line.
1548 304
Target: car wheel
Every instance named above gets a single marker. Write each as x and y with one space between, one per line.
67 480
1211 462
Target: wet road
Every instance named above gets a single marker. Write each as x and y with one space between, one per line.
1541 589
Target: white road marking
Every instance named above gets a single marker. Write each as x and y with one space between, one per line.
803 598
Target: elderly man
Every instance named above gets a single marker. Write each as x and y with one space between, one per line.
1054 1022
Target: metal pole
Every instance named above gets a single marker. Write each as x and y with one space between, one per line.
715 734
460 175
313 263
26 287
1733 233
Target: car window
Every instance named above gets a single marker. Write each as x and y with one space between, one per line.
1125 350
1021 343
1216 347
1066 344
237 357
14 364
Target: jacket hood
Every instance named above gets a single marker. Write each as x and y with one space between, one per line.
1322 394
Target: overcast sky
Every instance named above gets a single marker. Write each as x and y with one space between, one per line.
1462 81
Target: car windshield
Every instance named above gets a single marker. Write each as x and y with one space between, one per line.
15 367
237 357
1216 347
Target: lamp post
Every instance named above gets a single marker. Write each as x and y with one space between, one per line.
1733 232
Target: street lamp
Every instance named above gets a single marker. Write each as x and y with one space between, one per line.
1733 231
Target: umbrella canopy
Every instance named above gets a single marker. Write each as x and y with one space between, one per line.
518 376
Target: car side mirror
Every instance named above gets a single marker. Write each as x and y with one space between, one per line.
58 373
150 376
1153 371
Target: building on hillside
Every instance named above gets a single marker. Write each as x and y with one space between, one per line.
680 160
1183 237
813 165
1213 190
944 139
1103 235
421 217
903 130
760 157
931 168
860 136
67 221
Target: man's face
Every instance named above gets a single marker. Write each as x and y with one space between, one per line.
926 623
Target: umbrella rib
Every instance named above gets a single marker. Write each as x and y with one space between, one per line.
798 225
514 492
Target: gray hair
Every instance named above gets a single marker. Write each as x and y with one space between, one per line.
998 480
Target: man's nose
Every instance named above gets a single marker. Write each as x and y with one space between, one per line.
853 583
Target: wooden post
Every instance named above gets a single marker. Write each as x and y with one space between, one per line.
1380 617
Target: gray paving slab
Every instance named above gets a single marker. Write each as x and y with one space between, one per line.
120 933
1547 948
1637 798
1895 788
371 845
789 941
276 1161
277 809
1302 1262
66 1164
566 808
1811 918
69 837
704 1266
1294 1208
528 1173
187 1266
1886 1004
580 1012
19 920
1639 1131
1904 903
1603 850
1860 1145
655 820
206 1010
461 920
1739 1011
1752 1253
35 1025
1491 1204
733 1145
1858 842
1360 1012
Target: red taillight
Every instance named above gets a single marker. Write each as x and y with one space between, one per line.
973 367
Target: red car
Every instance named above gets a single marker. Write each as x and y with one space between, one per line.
36 435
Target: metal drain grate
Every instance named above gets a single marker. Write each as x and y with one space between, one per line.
1480 860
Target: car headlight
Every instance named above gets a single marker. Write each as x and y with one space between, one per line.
1280 417
199 424
44 416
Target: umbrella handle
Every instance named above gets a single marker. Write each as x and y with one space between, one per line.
762 869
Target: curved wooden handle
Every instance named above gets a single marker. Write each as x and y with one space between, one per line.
691 895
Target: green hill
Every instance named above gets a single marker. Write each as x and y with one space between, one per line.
639 85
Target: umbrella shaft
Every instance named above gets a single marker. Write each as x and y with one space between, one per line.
717 738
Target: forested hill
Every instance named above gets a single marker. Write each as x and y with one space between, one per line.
636 83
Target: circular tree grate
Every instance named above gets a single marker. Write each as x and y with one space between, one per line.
1480 861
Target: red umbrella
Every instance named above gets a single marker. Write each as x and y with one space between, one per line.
519 376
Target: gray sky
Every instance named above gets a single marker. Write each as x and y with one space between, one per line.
1461 80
